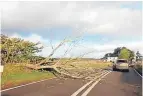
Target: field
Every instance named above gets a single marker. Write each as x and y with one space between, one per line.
87 64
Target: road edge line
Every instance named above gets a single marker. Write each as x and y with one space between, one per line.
85 85
138 73
26 84
93 85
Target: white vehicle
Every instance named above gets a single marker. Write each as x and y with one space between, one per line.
121 64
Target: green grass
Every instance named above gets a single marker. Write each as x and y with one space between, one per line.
15 75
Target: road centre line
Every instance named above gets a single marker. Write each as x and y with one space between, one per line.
92 86
84 86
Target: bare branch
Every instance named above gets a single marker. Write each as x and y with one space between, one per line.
51 45
53 51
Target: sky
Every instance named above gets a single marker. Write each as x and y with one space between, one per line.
96 27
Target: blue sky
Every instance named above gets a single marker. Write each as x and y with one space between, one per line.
134 6
101 26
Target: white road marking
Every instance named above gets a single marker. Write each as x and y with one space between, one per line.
25 85
84 86
138 73
92 86
79 90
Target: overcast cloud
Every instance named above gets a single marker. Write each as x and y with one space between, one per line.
116 19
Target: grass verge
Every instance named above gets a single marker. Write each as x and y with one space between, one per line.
138 68
15 75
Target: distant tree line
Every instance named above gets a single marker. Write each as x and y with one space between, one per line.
124 53
16 50
121 53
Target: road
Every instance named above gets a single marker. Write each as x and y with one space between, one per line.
115 83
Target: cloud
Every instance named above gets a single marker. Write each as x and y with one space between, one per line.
109 19
90 17
33 38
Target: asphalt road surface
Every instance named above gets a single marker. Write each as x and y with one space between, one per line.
116 83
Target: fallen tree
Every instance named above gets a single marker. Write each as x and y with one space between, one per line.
58 65
20 51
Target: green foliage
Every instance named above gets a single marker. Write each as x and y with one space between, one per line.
121 53
124 54
132 55
16 50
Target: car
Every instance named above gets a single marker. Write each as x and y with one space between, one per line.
121 64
